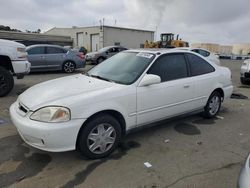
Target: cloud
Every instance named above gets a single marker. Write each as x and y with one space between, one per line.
195 20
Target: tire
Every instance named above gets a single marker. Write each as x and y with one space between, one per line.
99 60
68 67
243 81
99 137
6 81
213 105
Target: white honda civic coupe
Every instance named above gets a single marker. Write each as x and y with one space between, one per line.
92 112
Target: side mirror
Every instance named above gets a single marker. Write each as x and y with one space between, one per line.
150 79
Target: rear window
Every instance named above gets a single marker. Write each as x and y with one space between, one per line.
201 52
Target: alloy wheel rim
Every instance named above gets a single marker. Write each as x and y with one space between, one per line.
214 105
101 138
69 67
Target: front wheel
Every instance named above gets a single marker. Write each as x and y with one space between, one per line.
6 81
68 67
213 105
99 137
99 60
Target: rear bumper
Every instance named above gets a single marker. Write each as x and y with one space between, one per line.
80 64
228 91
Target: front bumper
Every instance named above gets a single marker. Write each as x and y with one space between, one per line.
21 67
54 137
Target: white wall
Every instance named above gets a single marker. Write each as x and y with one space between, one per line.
126 37
241 49
73 32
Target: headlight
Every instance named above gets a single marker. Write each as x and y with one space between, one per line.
22 50
51 114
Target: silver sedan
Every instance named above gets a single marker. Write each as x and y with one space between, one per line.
45 57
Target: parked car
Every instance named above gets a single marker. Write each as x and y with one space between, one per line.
205 53
104 53
13 62
128 90
45 57
244 178
245 72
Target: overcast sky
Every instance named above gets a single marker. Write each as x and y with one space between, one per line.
217 21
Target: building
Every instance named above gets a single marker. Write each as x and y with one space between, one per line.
225 49
35 38
242 49
96 37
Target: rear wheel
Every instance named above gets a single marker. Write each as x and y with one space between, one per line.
99 137
6 81
68 67
213 105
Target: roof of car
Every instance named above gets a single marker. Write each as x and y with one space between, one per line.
156 50
42 45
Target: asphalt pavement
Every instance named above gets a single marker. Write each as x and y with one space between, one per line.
185 152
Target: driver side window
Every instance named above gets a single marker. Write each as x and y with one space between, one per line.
170 67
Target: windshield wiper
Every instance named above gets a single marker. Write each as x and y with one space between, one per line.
99 77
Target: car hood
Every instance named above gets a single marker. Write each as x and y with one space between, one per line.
11 43
47 92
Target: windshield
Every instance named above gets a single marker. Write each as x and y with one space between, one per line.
123 68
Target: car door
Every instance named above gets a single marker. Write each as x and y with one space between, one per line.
36 56
173 96
204 77
55 57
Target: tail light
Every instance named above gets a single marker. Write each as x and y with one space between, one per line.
81 55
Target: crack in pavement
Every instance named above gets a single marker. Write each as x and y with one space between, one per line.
203 173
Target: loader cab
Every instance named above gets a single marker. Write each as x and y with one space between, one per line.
165 37
166 40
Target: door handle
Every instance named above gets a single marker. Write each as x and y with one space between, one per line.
186 86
